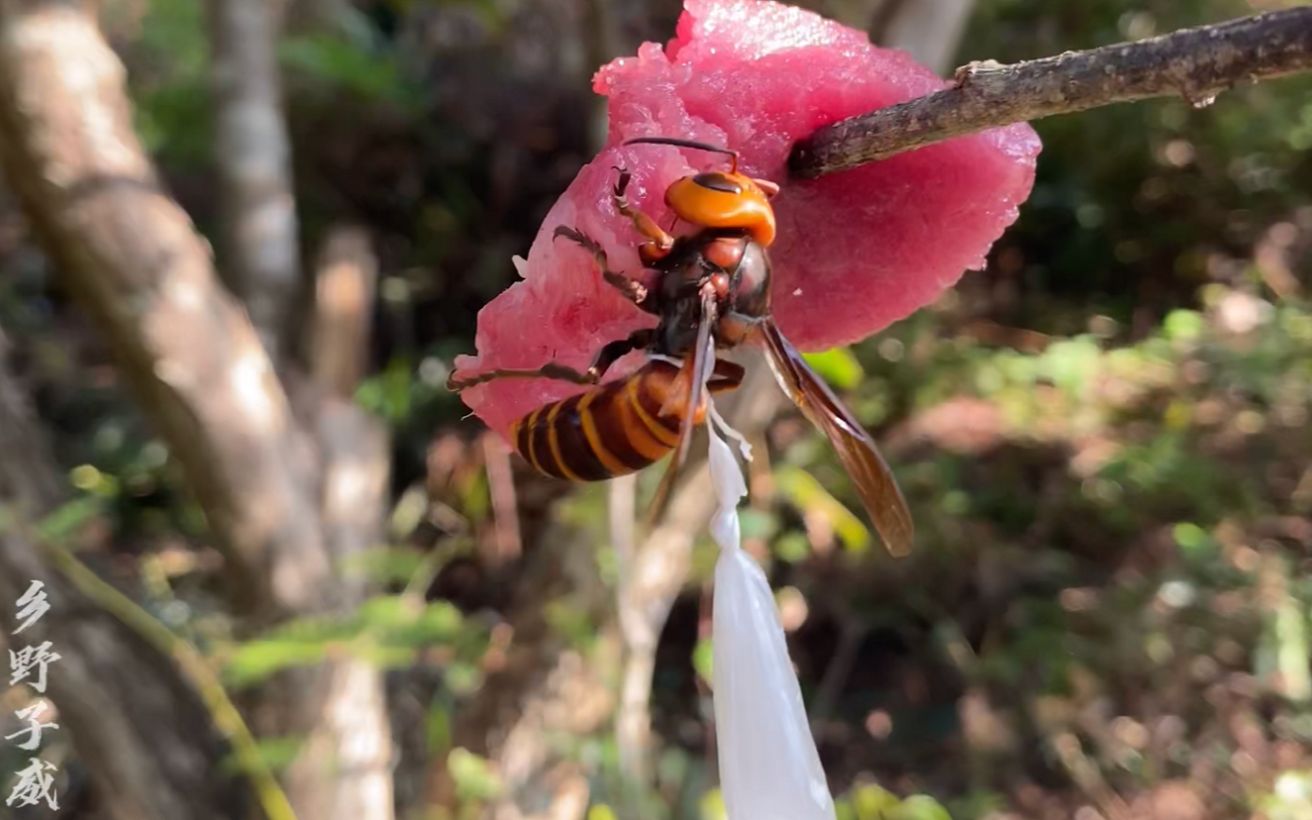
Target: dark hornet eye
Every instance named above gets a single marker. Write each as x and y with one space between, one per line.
751 292
717 182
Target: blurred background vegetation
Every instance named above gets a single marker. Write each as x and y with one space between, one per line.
1103 436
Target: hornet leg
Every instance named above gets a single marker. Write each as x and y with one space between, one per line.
658 242
726 376
635 292
607 356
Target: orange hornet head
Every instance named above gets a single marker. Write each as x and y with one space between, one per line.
721 199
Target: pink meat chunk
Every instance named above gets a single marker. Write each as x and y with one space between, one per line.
856 250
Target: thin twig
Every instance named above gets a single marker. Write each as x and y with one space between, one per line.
632 718
193 665
507 542
1195 63
839 670
345 280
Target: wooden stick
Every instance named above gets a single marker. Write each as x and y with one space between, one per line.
1195 63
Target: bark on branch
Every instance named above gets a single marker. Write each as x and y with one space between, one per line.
1195 63
258 244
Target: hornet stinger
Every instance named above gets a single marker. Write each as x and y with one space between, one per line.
709 286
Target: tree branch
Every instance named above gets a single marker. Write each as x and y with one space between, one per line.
285 499
194 667
1195 63
132 258
258 246
346 276
148 744
343 771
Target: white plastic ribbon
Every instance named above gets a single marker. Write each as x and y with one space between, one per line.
769 767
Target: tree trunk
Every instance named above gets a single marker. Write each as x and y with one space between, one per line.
129 254
258 247
289 496
146 739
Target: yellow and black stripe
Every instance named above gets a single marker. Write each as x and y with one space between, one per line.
611 430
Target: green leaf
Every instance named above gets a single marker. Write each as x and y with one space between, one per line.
1071 364
437 728
1192 538
474 776
712 806
60 525
838 365
792 547
463 678
406 622
1183 325
258 660
568 619
918 807
703 659
806 493
383 565
871 802
276 752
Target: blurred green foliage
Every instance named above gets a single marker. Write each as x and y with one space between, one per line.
1132 200
389 630
361 67
167 66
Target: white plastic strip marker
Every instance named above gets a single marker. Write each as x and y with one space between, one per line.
769 767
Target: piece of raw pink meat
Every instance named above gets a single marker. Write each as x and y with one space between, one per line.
856 250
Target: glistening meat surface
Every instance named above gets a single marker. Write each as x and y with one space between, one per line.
856 250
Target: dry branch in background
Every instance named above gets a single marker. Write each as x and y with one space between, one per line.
927 29
545 688
258 239
346 276
1195 63
344 769
654 574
